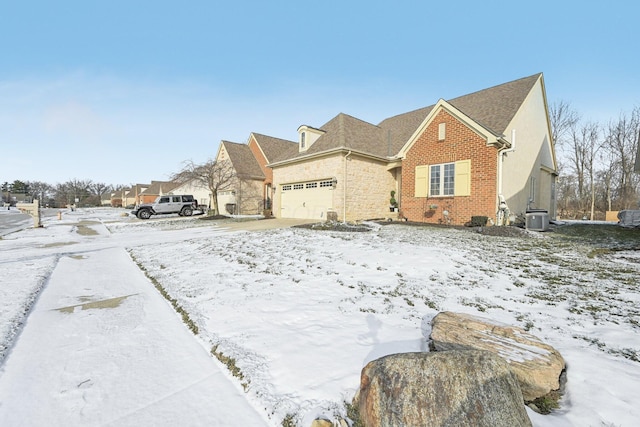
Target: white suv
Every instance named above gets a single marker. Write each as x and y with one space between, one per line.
183 205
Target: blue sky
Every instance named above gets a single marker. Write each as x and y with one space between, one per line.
124 92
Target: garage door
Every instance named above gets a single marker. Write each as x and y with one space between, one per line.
306 200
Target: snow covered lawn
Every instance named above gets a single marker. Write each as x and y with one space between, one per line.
298 313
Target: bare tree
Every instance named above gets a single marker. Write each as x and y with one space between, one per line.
215 175
591 138
622 141
41 191
606 177
99 189
562 118
72 192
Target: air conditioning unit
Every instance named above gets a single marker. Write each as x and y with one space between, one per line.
537 221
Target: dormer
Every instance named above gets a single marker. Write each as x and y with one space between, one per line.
307 136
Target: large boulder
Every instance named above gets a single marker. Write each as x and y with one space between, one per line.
454 388
537 365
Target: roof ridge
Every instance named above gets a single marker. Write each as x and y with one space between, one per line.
495 86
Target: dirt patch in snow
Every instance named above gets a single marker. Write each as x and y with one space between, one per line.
213 217
336 226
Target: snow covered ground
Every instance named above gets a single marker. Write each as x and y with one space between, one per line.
296 313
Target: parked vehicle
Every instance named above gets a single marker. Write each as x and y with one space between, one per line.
182 204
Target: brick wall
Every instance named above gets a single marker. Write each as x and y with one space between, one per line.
460 143
257 153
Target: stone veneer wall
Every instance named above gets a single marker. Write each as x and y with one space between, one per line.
368 184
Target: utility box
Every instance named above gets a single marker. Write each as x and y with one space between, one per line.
537 220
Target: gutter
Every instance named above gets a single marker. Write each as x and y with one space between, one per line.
501 155
344 191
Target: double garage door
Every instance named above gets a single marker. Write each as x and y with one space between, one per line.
306 200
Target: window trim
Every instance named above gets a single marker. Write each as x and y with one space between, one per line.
444 190
461 179
442 131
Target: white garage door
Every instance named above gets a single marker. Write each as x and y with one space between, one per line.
306 200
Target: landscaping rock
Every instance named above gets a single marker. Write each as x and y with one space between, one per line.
320 422
454 388
537 365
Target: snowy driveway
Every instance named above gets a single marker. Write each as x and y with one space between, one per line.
102 347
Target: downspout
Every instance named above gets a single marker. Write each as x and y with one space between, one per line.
344 190
501 155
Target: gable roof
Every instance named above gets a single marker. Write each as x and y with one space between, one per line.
348 132
275 149
159 187
492 109
400 128
243 160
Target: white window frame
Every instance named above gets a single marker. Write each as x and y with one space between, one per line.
446 171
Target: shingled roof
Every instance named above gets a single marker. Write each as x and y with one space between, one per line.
344 131
495 107
276 149
400 128
159 187
243 161
492 108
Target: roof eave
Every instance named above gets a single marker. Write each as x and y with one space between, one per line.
328 152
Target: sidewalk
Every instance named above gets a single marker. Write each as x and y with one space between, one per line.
103 348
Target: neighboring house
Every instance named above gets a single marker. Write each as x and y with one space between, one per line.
445 163
267 149
105 199
116 199
199 191
243 194
150 193
128 196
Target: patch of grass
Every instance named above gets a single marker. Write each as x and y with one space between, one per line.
547 403
610 236
598 251
289 421
353 414
429 303
479 303
230 363
174 302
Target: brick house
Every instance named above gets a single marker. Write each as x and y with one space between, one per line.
149 193
446 162
267 149
250 191
241 195
128 196
471 152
